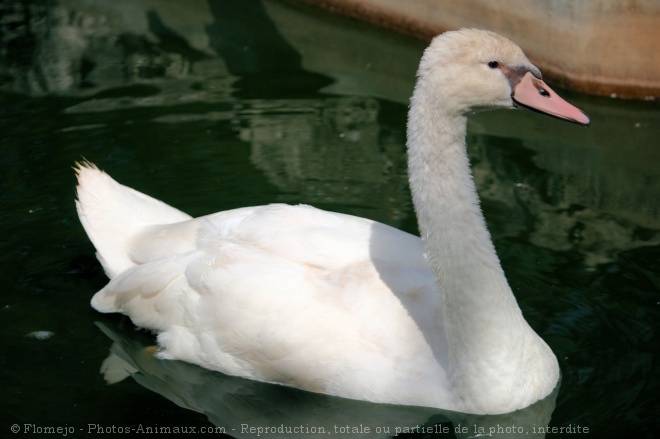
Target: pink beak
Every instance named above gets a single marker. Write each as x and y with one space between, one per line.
534 94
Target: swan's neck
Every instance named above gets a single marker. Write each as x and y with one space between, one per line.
458 245
484 325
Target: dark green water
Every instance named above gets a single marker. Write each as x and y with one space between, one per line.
212 106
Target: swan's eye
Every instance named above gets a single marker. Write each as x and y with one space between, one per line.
493 64
543 92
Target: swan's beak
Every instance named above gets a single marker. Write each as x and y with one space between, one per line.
534 94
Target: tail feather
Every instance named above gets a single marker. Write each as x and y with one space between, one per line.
112 214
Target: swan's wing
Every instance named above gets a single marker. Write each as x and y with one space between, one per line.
297 233
111 213
292 295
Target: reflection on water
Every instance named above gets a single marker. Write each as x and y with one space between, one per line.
238 404
330 155
222 104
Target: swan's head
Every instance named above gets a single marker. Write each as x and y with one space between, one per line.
472 69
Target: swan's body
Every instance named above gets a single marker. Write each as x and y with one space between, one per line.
338 304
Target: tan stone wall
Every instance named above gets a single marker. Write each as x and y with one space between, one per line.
605 47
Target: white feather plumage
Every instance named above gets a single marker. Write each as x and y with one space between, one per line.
333 303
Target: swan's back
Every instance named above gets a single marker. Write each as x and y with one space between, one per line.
285 294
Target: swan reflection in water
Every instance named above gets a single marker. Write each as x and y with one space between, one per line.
244 408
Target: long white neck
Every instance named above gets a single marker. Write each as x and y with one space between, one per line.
484 325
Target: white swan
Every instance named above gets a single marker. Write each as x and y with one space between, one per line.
338 304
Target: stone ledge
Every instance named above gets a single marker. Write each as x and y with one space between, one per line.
602 47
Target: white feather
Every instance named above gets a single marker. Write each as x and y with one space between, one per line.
333 303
